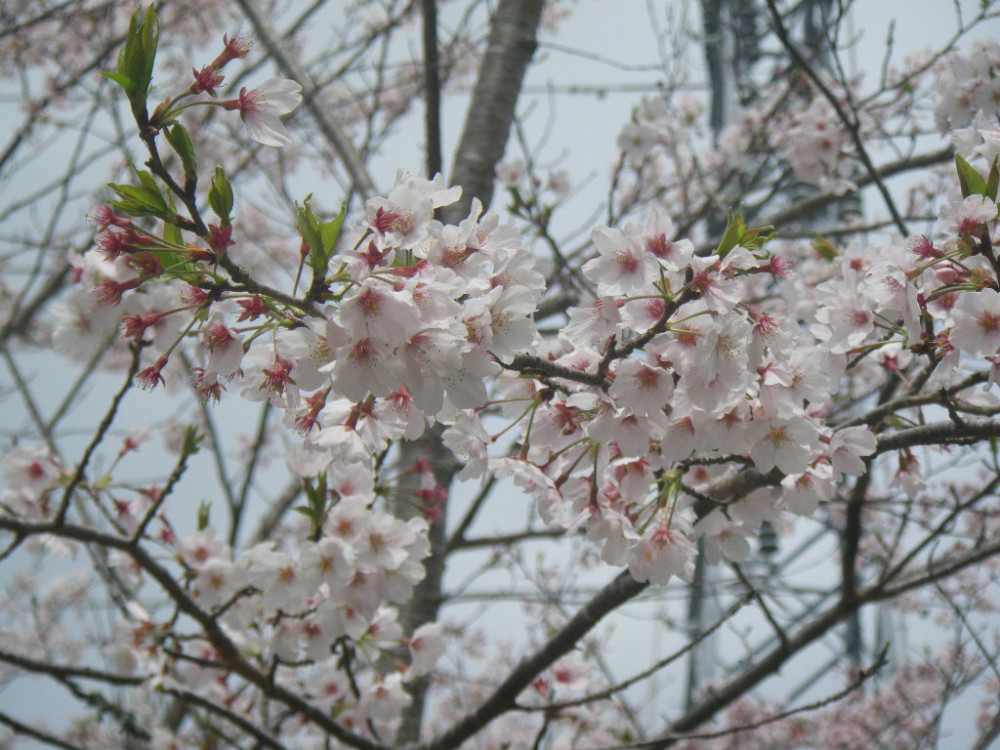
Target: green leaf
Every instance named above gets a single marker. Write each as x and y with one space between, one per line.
826 249
330 230
993 181
124 81
220 196
141 200
735 228
737 233
134 67
516 201
180 140
316 498
971 182
204 515
148 181
317 495
191 440
320 236
329 233
756 238
172 234
308 225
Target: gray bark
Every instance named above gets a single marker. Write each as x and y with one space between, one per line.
511 45
514 27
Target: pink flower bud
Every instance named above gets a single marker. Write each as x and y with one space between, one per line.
152 376
206 80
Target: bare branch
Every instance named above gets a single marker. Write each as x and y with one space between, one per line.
622 589
491 113
66 671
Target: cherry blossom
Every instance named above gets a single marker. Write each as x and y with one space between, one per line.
623 266
977 323
261 107
787 444
385 699
847 447
664 551
968 216
642 389
31 469
426 646
643 398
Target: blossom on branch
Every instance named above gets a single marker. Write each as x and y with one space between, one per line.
261 107
648 399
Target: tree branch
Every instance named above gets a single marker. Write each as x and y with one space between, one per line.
851 124
860 678
494 101
814 203
620 590
940 433
230 656
65 671
329 128
37 734
756 673
102 430
432 88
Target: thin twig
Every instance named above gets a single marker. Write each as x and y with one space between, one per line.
102 430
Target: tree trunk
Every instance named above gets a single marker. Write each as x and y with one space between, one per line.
512 43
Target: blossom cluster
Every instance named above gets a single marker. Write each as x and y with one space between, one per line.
299 606
968 84
691 394
681 372
32 474
663 164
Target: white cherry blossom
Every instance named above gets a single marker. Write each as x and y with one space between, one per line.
261 108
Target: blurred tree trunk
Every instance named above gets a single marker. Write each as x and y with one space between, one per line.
512 42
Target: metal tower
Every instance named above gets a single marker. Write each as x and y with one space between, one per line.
735 33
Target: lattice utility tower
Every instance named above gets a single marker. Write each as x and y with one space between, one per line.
736 39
